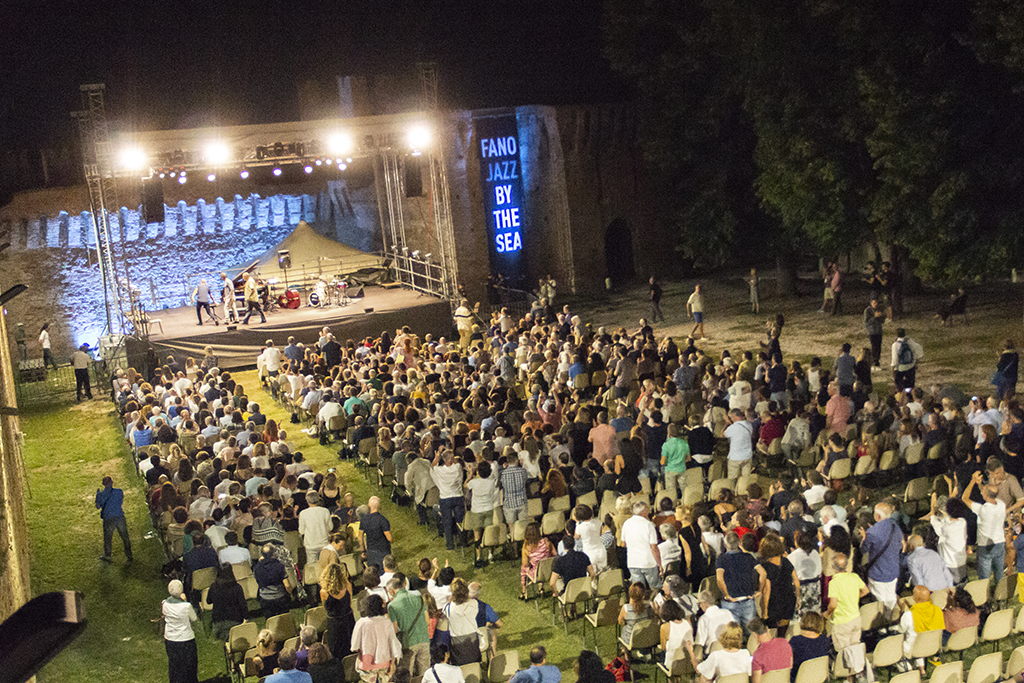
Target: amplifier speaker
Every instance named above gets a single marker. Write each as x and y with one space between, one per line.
368 310
232 328
153 201
413 177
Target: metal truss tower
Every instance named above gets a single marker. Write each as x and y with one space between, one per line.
440 199
97 162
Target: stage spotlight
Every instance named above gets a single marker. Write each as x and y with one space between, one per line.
426 257
217 153
319 162
276 172
342 166
328 161
339 143
308 169
419 137
211 177
132 159
182 179
416 153
173 174
162 174
348 160
244 174
416 253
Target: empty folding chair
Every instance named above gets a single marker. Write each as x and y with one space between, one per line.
317 618
606 614
986 668
997 626
1005 589
609 583
888 651
240 640
978 590
503 666
1016 663
912 676
552 523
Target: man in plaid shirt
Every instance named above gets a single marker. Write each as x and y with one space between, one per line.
513 482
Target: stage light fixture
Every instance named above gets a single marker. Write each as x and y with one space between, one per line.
162 174
426 257
348 160
308 169
182 179
276 172
328 161
419 137
339 143
416 153
217 153
342 166
244 174
132 159
319 162
174 174
211 177
416 253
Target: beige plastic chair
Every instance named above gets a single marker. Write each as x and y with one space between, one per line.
693 494
240 640
473 673
560 504
503 666
888 461
936 451
495 536
927 644
250 588
940 597
953 672
1005 589
282 626
317 618
978 590
813 671
203 578
681 668
1016 663
915 453
552 523
776 676
887 652
871 615
719 484
997 626
241 570
917 490
534 507
541 583
865 466
986 668
913 676
589 498
609 583
840 469
606 614
962 639
576 592
646 635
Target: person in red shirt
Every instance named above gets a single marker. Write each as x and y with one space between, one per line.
772 654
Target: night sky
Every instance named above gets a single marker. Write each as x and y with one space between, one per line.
183 64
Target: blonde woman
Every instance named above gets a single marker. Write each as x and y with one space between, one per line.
267 651
731 659
336 596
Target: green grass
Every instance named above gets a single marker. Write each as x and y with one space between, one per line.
70 448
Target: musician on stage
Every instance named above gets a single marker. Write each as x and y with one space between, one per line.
252 299
203 298
228 295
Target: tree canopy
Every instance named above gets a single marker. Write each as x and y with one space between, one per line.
817 126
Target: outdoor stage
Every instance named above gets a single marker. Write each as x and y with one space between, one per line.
392 308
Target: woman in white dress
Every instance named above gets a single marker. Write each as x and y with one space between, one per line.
588 531
731 659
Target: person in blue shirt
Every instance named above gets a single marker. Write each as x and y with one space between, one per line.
884 541
109 501
540 671
486 617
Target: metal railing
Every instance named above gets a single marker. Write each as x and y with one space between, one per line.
56 385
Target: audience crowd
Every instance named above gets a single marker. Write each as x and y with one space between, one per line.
726 507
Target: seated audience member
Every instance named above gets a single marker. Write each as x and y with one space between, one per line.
731 659
920 617
772 653
539 670
809 643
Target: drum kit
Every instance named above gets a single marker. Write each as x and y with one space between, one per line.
333 293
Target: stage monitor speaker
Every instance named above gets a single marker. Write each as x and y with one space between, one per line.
358 295
284 259
368 310
153 200
232 328
413 177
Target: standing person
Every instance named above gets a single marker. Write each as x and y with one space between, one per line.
991 514
874 316
464 323
740 434
754 281
843 369
375 533
179 638
643 558
737 577
845 590
408 612
882 543
80 361
905 354
20 341
674 454
836 285
695 309
375 643
314 526
1005 378
655 297
44 341
109 502
227 295
252 299
336 597
447 476
204 300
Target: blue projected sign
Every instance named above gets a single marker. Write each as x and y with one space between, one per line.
501 175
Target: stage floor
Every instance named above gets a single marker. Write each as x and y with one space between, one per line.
179 334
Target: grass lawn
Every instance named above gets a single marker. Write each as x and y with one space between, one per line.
69 448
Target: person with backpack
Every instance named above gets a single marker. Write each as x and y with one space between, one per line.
905 355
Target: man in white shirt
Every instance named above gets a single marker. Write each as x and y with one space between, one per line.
641 540
991 514
272 358
314 526
447 476
741 444
233 553
982 416
711 622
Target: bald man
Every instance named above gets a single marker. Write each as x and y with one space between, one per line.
375 532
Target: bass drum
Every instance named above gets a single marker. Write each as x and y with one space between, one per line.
314 300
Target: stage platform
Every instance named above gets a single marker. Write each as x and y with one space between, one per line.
182 337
